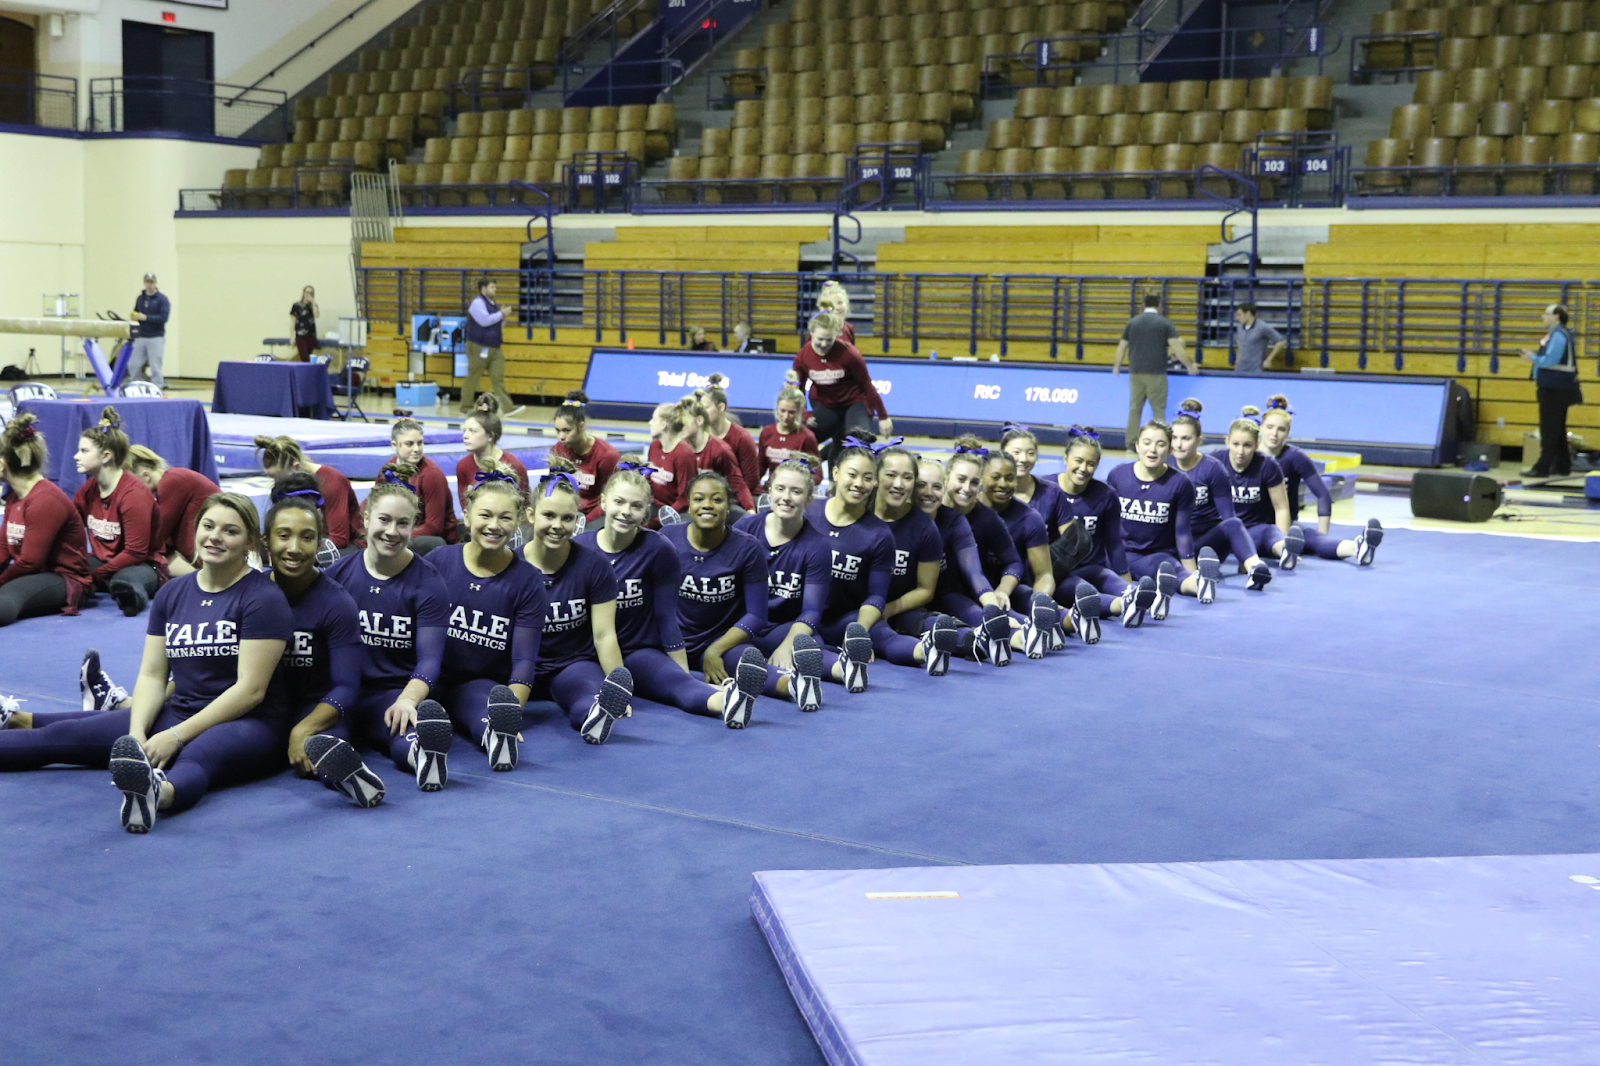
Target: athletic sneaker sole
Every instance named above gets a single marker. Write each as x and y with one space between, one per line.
434 736
340 767
500 734
1369 542
1144 597
750 677
1294 545
615 694
857 653
132 773
805 684
1043 617
1210 568
1167 584
128 599
997 635
1086 612
943 639
1260 578
86 673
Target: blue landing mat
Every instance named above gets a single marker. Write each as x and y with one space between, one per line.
593 906
313 433
1345 963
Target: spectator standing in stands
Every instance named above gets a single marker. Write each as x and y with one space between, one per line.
1255 343
303 317
151 309
1146 341
697 340
1555 376
484 319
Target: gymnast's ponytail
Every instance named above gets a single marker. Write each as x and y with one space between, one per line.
109 437
279 453
487 414
22 447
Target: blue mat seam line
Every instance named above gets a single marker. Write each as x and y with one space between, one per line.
1357 975
758 827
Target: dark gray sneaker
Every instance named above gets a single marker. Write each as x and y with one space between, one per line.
339 766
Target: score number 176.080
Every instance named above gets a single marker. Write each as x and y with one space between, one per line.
1042 395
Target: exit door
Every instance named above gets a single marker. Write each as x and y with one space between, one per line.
166 79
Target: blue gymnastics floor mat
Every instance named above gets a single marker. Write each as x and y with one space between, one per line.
1345 963
314 433
364 463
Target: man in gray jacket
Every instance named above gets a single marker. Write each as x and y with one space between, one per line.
1146 341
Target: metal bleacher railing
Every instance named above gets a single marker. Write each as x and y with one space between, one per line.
1437 324
46 100
188 105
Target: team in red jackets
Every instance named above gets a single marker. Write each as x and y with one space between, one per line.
729 432
436 524
843 398
671 460
120 516
180 494
44 568
593 460
480 433
280 455
711 454
786 438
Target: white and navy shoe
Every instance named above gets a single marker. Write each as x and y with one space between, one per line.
9 706
501 725
857 654
996 637
98 691
431 747
805 680
140 784
739 692
1137 601
327 554
615 697
1367 542
668 517
1085 612
1294 546
339 766
938 643
1210 574
1043 617
1168 581
1260 577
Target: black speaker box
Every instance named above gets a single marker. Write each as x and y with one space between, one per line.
1454 495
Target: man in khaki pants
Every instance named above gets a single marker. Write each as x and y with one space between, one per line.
1146 341
484 351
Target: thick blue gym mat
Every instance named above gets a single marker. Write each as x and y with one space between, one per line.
1345 963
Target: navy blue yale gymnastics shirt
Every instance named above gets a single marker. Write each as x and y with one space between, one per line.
494 621
202 631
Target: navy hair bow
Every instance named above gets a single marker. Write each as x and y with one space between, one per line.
644 469
1280 405
394 479
304 492
1081 431
962 449
554 478
854 441
886 445
1017 426
492 475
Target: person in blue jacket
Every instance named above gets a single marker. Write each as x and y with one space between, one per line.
1555 376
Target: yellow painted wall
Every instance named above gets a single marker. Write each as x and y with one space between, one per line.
41 233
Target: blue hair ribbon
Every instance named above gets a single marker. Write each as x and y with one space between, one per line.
1275 405
1017 426
394 479
556 477
854 441
886 445
1084 432
492 475
305 492
644 469
982 453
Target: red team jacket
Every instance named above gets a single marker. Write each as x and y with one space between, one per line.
839 380
121 526
594 470
44 534
775 447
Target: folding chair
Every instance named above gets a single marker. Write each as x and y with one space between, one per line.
348 384
24 391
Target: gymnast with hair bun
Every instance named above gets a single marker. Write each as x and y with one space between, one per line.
180 493
672 461
282 455
731 433
786 438
410 464
1298 469
1157 508
44 566
120 516
1216 528
711 454
1256 485
592 459
480 435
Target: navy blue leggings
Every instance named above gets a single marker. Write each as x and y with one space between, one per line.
1322 545
1107 580
1225 538
572 688
768 643
1149 564
657 677
366 721
886 643
227 754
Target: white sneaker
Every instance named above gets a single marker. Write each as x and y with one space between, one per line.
1294 545
140 784
9 706
739 692
502 722
614 697
857 653
1209 569
339 766
1367 542
1086 612
805 679
431 748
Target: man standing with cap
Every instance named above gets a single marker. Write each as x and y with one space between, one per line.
1146 342
150 313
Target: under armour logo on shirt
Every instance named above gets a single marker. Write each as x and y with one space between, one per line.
833 532
205 603
476 586
375 590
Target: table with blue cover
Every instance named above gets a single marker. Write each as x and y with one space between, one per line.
288 390
176 430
